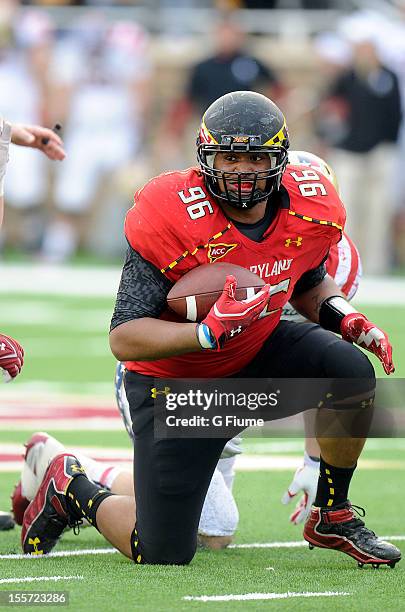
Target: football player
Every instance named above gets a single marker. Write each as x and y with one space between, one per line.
11 352
219 516
282 223
344 266
46 140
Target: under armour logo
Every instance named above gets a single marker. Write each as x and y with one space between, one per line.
155 392
235 331
290 241
77 468
3 347
34 542
367 403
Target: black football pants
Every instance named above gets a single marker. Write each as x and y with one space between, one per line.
172 476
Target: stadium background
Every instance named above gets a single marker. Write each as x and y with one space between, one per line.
57 289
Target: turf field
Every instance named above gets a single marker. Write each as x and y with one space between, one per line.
110 581
67 353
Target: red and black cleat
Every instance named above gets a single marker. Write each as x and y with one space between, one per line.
47 515
338 528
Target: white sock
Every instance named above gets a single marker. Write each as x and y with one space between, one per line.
99 472
227 468
219 516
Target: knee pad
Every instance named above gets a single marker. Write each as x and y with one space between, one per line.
345 360
219 516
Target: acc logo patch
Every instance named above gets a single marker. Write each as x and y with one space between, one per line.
216 251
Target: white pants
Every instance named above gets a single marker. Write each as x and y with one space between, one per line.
26 181
220 516
90 157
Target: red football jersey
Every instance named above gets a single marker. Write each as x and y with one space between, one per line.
176 225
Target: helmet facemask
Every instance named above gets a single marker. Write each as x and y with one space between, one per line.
239 198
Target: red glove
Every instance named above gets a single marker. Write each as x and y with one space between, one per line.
229 317
11 357
355 327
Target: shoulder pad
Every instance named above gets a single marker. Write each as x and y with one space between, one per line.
165 225
313 199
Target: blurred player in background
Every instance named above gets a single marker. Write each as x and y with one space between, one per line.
44 139
231 67
101 93
359 118
25 50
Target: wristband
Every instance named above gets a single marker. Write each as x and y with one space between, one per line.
332 312
310 461
205 337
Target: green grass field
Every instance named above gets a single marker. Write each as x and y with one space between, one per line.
67 350
112 582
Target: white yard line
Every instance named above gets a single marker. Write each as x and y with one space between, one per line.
254 446
39 579
123 457
91 451
298 544
54 314
64 553
46 391
111 551
302 543
37 279
91 424
258 596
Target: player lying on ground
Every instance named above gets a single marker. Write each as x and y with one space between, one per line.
219 516
275 219
11 352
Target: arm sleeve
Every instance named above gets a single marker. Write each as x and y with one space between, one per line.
310 279
142 291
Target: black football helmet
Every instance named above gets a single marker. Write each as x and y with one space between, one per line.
243 121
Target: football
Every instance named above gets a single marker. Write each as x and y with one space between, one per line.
194 294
